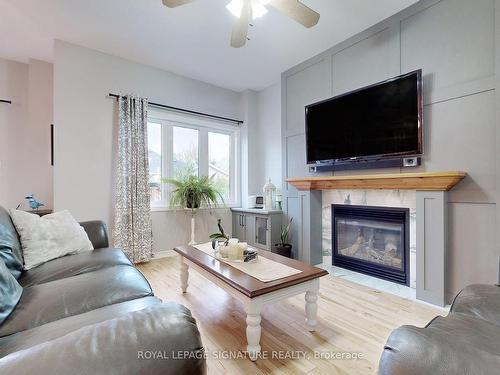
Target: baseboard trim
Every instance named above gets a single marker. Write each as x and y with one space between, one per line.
164 254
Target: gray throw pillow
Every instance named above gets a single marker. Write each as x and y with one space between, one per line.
10 292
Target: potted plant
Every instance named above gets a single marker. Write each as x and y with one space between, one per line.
284 248
191 193
219 237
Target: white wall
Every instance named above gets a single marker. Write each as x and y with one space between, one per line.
85 120
269 136
261 140
25 132
13 119
249 149
40 116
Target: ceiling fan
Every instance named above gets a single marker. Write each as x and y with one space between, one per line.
247 10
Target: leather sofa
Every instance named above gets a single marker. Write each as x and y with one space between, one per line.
467 341
91 313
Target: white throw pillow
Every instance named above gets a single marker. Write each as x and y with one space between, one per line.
49 237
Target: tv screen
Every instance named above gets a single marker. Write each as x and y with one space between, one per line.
377 121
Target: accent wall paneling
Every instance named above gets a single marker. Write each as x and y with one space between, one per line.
296 152
370 60
451 41
473 252
311 84
496 216
459 134
293 209
454 42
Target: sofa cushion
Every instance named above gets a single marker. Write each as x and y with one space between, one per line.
49 237
50 331
44 303
114 347
10 292
10 247
457 344
480 301
72 265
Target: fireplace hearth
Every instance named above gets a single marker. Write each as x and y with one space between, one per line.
372 240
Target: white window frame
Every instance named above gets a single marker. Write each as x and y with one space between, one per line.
168 120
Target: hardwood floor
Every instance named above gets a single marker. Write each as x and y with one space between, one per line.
352 319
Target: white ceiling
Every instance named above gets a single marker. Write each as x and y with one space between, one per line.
192 40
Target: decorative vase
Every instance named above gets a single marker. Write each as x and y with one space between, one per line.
192 202
223 250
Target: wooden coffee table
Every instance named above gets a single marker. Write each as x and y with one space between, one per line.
252 292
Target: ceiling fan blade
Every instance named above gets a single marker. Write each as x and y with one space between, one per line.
240 28
175 3
297 11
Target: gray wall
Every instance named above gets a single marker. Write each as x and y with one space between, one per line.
453 41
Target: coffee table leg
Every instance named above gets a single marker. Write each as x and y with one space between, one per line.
253 309
312 306
184 275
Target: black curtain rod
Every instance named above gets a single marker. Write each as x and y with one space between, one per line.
187 111
6 101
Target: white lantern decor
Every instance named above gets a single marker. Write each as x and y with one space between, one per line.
269 191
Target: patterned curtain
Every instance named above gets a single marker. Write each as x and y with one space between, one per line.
132 210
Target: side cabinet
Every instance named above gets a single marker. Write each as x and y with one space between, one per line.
259 228
240 227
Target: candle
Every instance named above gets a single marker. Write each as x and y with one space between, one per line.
234 249
242 246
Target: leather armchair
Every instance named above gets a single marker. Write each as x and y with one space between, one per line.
467 341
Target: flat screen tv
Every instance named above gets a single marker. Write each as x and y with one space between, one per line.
380 121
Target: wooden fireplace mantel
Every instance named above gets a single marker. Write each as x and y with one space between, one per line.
427 181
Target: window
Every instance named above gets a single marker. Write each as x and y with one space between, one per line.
219 153
185 146
181 145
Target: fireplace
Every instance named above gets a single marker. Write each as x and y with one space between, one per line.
372 240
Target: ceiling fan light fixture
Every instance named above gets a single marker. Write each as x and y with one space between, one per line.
258 7
235 7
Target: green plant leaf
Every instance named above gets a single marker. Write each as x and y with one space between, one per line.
193 192
285 232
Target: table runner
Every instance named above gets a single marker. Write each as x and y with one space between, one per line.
262 269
